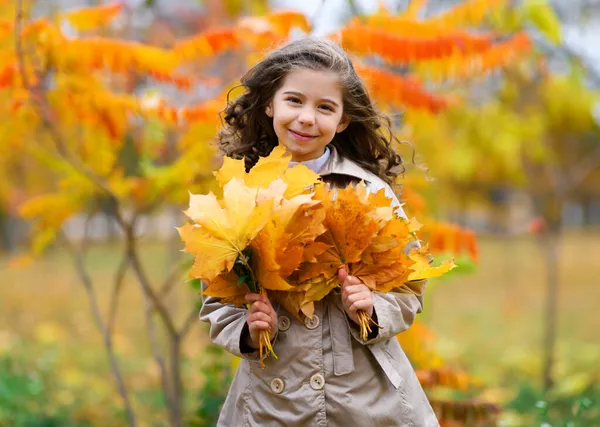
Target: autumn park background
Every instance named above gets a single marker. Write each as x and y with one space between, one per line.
108 114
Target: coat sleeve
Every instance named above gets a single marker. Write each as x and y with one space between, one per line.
228 326
394 311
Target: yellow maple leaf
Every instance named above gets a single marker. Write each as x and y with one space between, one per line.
422 269
230 169
268 169
222 230
299 178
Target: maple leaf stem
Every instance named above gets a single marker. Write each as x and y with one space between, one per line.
365 324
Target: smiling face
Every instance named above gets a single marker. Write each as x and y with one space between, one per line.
307 112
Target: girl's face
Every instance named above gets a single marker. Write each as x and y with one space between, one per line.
307 112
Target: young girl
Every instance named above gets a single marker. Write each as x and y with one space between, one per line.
307 96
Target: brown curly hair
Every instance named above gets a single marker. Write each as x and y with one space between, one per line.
248 132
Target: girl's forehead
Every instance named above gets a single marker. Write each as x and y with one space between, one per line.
322 83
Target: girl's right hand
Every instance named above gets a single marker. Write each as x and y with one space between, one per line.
261 316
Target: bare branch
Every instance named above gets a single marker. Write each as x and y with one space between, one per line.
170 280
136 264
116 291
159 359
86 281
189 322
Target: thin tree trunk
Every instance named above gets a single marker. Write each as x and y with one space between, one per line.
177 383
108 343
551 249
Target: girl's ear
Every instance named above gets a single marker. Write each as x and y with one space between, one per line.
343 124
269 111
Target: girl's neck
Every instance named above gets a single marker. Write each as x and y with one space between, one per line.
315 164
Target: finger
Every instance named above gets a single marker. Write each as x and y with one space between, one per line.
361 305
355 289
342 274
250 297
351 281
260 306
258 316
259 325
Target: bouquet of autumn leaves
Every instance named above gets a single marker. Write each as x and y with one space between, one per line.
281 232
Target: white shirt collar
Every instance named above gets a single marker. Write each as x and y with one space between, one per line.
315 164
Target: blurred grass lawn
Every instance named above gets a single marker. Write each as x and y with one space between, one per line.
490 321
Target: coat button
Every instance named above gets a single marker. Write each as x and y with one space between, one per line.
317 382
312 322
277 386
283 323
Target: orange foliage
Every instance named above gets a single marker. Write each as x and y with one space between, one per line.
400 50
209 43
256 33
445 237
117 56
394 90
460 66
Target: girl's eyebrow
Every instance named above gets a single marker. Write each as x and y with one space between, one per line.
291 92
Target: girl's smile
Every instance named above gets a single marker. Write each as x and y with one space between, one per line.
301 136
307 112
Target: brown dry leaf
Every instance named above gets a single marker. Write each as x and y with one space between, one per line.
387 269
291 301
396 232
308 309
318 290
279 245
226 287
349 229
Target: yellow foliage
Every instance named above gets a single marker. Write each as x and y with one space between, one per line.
90 18
467 13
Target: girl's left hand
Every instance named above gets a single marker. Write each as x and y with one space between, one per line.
355 295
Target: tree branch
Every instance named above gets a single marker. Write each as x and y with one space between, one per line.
160 361
170 281
86 281
136 264
116 291
189 322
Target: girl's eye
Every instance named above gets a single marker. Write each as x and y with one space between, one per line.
327 107
293 99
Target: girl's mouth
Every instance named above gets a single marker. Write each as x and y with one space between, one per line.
301 136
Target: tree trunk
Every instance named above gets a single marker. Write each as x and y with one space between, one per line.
177 383
551 247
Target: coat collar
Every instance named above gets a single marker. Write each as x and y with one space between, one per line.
339 165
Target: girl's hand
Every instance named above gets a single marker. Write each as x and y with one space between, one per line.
261 316
355 295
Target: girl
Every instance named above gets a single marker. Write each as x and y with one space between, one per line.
307 96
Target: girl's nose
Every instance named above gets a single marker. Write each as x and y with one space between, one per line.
306 116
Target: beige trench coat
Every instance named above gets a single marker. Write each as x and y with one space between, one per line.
326 375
